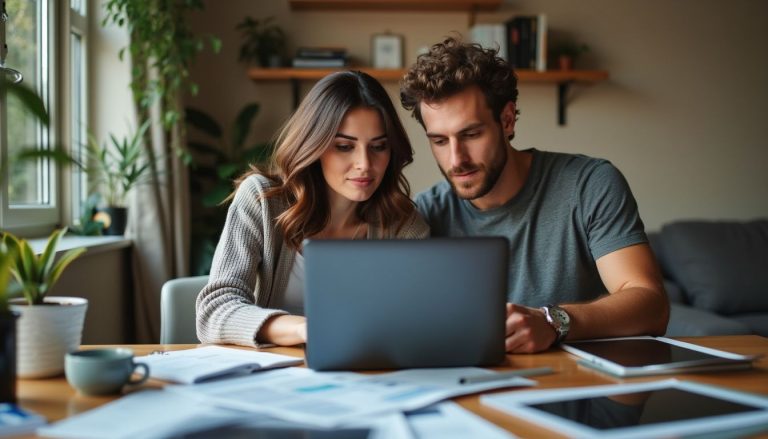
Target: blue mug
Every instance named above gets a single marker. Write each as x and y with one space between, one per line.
102 371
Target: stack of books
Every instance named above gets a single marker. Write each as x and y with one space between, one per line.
320 57
521 41
527 42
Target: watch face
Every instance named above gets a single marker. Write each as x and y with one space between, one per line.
561 316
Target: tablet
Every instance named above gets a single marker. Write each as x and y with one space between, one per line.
639 356
667 408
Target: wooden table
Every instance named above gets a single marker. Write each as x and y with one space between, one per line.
55 399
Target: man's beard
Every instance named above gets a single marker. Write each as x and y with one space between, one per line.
491 174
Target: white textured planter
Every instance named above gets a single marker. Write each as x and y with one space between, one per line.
46 333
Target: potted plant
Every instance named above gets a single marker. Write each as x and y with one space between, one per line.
567 53
116 168
215 164
48 327
7 331
264 42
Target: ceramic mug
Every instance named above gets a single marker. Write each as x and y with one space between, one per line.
102 371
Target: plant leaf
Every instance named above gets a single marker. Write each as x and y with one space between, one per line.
216 195
45 262
29 99
203 122
57 155
63 262
243 124
227 170
203 148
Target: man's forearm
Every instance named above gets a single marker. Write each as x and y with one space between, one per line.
633 311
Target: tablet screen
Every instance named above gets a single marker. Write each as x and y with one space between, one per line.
644 408
642 352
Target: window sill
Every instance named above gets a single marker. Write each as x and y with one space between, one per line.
94 244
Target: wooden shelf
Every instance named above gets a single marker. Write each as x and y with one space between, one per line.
562 78
395 5
550 76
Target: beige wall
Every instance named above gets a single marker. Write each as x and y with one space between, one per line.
683 115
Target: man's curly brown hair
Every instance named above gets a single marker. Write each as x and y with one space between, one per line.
451 66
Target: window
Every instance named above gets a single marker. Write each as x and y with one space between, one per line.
78 114
35 195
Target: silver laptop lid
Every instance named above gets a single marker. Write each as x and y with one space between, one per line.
381 304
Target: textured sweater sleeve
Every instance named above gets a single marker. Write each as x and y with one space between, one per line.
415 228
227 310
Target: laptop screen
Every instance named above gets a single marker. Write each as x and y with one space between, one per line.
382 304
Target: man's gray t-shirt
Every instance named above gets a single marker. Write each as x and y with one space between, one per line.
571 210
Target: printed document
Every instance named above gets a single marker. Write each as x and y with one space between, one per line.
200 364
330 399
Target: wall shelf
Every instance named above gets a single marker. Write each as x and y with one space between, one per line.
395 5
562 78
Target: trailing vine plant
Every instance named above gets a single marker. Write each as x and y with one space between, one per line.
162 47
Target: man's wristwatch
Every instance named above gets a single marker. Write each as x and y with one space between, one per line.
558 319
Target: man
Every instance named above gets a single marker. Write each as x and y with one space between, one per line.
580 263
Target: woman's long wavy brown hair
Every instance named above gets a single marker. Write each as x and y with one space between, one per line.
309 132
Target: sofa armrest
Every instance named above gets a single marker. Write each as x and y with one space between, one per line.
674 292
685 321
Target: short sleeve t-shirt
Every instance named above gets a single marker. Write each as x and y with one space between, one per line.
571 210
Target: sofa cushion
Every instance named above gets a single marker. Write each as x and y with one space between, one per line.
721 266
756 322
685 321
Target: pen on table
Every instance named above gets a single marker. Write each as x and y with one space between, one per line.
505 375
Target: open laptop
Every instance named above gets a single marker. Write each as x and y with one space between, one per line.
389 304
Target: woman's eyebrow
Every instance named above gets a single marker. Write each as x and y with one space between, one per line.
348 137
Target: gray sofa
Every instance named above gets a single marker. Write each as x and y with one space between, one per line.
716 276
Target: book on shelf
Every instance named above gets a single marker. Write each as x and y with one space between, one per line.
190 366
527 42
320 57
490 36
321 52
302 62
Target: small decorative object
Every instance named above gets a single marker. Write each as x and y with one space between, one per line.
48 327
263 42
566 54
387 51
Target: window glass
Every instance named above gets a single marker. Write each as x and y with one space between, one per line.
29 181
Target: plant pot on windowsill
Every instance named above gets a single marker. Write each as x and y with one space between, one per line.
114 219
48 327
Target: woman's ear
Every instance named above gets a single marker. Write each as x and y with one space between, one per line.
507 118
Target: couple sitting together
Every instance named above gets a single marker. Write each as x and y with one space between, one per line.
580 263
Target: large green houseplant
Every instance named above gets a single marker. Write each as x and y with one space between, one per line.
217 161
48 327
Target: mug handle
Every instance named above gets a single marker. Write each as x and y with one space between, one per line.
144 377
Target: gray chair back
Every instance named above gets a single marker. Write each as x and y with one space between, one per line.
177 310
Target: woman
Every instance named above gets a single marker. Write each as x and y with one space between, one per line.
337 174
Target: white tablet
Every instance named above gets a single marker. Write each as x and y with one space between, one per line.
667 408
638 356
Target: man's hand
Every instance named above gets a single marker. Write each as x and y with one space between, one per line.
528 330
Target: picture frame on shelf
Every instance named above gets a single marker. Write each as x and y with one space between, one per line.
387 51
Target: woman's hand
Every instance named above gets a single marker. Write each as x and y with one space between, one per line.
284 330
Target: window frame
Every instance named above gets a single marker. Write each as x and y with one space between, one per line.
56 91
